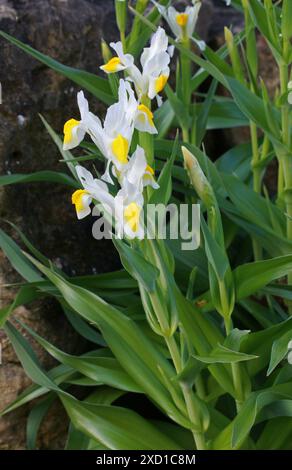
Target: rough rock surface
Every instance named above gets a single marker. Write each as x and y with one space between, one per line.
69 31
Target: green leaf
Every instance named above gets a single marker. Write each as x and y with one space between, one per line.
163 118
99 87
28 358
29 245
224 355
66 154
253 206
116 427
20 263
82 328
58 374
178 107
180 435
112 281
135 263
39 176
25 295
246 418
260 344
236 161
215 254
234 339
105 370
279 350
137 355
35 418
204 336
253 108
76 440
203 116
223 114
251 277
260 16
272 439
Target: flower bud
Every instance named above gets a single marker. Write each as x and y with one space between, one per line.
121 14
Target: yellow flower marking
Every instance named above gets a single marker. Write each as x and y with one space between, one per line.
68 127
132 215
149 170
160 83
182 19
148 113
77 197
120 148
112 65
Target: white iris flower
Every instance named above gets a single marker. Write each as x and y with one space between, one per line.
113 137
154 60
182 24
138 172
127 206
74 130
139 114
93 188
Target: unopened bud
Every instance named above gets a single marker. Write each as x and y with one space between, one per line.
121 14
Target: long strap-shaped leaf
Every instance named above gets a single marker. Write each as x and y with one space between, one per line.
101 369
113 426
129 344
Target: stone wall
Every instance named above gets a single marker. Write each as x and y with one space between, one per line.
69 31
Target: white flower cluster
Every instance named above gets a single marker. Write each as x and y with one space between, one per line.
113 137
154 61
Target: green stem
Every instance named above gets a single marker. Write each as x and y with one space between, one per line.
185 135
286 162
235 370
199 437
280 180
200 387
174 350
146 139
123 40
257 181
186 72
186 78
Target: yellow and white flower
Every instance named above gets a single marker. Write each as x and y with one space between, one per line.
138 114
144 120
93 188
82 200
129 211
74 130
129 216
154 60
120 62
126 208
183 23
138 172
113 137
